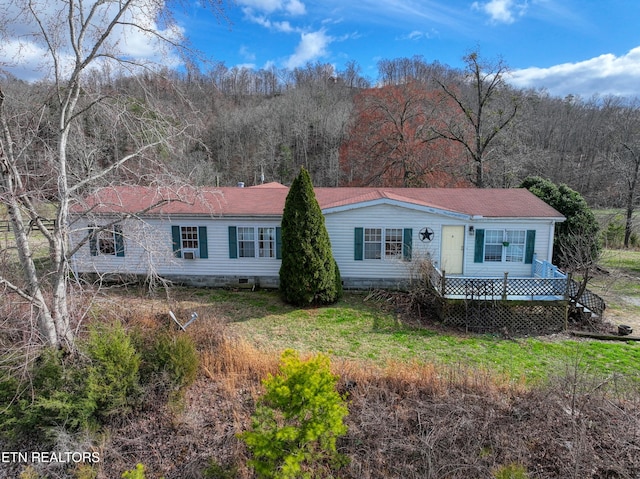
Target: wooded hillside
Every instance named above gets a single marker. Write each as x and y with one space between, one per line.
407 127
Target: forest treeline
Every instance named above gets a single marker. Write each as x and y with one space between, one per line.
418 124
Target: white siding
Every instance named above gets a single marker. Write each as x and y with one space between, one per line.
341 227
149 245
543 228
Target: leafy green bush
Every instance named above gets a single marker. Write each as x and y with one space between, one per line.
113 376
137 473
297 421
173 356
73 391
55 397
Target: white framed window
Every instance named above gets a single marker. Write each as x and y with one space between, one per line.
515 250
267 242
254 242
106 240
189 237
189 242
372 243
246 242
393 243
382 243
505 246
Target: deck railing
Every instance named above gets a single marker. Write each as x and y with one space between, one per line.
547 282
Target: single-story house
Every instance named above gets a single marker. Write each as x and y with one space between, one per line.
231 235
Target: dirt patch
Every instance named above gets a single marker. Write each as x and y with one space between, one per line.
617 316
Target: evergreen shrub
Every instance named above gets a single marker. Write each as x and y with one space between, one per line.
308 272
73 392
297 420
174 357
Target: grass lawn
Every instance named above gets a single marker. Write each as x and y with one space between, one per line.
356 329
621 286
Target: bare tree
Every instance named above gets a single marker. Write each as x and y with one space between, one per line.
627 162
482 114
77 38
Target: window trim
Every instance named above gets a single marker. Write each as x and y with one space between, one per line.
403 245
100 233
506 246
201 251
234 242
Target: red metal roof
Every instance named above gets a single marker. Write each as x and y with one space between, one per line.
269 199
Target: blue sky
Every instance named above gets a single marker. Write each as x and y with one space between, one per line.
581 47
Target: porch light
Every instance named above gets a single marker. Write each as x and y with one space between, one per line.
471 230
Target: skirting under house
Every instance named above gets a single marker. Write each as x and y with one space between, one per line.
520 317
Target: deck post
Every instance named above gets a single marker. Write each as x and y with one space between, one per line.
504 285
443 284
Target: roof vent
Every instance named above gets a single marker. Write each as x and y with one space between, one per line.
240 184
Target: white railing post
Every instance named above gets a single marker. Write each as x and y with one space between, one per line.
504 285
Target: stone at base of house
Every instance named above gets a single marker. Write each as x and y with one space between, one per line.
255 282
273 282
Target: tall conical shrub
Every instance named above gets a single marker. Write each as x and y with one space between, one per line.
308 272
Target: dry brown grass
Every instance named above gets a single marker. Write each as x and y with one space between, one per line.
409 420
405 420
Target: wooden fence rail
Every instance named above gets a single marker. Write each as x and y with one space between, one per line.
5 225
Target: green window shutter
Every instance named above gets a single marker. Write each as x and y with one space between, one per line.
233 242
478 255
202 241
530 246
117 231
278 242
358 244
407 237
93 240
176 241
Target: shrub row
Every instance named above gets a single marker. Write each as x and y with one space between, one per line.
106 377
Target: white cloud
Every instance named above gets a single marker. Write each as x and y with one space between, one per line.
24 53
295 7
247 54
501 11
603 75
284 26
419 35
312 46
267 6
292 7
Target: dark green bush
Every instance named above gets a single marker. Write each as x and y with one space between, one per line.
113 375
56 397
73 391
308 269
580 220
175 357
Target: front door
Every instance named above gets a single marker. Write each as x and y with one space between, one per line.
452 248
